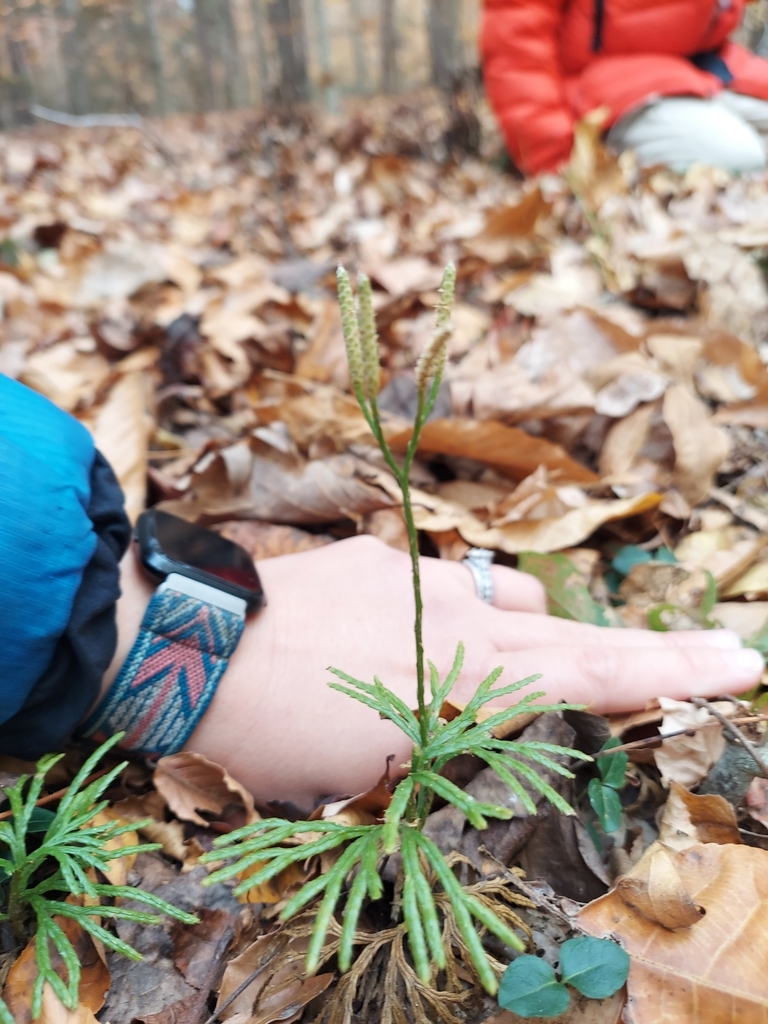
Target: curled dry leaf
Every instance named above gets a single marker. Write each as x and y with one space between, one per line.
700 447
689 819
321 491
121 433
687 759
278 992
541 535
712 972
655 889
170 834
190 783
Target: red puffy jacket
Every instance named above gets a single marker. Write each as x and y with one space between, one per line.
548 62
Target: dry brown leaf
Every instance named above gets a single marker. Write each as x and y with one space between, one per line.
321 491
745 619
190 783
94 979
117 870
543 535
687 759
712 972
700 447
170 834
121 433
507 449
325 358
55 1012
689 819
655 889
68 375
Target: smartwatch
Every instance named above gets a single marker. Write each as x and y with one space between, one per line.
192 625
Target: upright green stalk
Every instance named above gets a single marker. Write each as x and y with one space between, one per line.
362 352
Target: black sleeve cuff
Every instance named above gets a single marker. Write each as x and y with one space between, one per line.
70 684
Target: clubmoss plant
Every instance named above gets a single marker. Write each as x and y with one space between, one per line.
258 852
47 857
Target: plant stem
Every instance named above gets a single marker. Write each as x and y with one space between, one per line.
16 909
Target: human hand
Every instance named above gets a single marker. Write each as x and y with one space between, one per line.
278 727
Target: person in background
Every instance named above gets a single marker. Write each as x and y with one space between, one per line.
676 90
85 633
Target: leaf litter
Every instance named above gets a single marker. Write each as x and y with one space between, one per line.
604 424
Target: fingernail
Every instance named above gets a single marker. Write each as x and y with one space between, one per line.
747 663
725 638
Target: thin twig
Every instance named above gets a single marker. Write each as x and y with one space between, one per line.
650 742
734 731
238 992
51 797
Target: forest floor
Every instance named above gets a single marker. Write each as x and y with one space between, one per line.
605 408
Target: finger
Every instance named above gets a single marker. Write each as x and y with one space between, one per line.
512 590
613 679
513 631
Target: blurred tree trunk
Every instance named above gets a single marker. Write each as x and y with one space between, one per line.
229 52
259 23
358 46
327 83
388 43
156 57
445 41
217 43
73 52
205 48
287 20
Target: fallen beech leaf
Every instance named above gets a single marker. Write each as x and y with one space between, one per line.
507 449
65 375
94 979
687 759
55 1012
712 972
190 783
364 809
654 888
746 619
170 834
322 491
121 433
689 819
757 800
700 447
754 582
117 870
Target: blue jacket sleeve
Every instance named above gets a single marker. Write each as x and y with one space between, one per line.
47 538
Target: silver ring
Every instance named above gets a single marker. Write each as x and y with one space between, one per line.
478 561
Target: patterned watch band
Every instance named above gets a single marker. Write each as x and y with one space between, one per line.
188 633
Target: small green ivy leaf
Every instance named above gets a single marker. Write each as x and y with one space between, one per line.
567 596
628 556
606 804
614 767
595 967
709 597
529 988
40 819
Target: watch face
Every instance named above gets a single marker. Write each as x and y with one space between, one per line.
169 544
